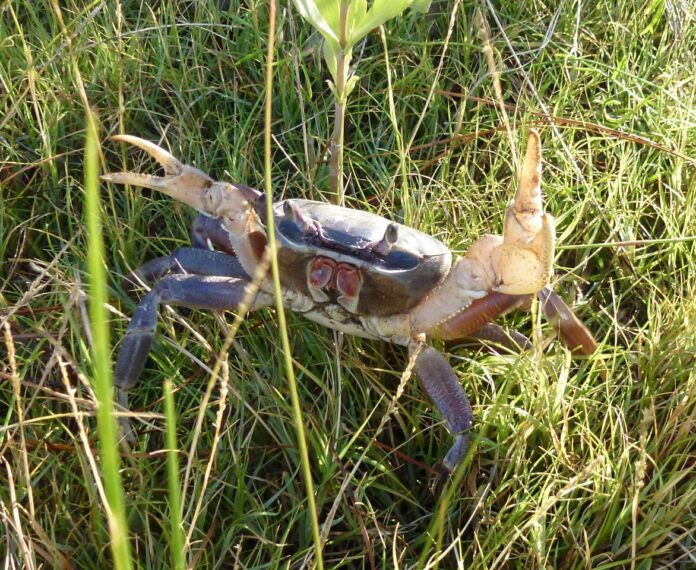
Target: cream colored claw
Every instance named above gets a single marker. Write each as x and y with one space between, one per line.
525 258
180 181
189 185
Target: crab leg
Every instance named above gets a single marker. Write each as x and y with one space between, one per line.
186 260
195 291
233 204
470 321
206 231
574 334
479 313
492 333
440 382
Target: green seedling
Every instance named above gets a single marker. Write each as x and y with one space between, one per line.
342 24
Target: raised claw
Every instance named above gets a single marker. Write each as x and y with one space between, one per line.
172 166
232 204
525 258
527 205
180 181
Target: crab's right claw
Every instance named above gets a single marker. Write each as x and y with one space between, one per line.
180 181
526 255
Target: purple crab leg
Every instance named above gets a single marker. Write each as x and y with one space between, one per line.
195 291
440 382
510 339
205 229
186 260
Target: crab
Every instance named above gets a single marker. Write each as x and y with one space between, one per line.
354 272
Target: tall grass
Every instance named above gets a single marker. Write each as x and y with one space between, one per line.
178 553
579 463
282 322
101 356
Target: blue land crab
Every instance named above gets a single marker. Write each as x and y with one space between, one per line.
354 272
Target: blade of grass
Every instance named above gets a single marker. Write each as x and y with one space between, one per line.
403 168
177 539
282 326
101 355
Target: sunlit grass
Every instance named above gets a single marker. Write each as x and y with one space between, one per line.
578 463
100 338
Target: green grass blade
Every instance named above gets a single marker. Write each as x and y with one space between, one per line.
282 324
101 355
177 530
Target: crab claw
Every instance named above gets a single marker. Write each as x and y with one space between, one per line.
525 258
185 183
181 182
232 204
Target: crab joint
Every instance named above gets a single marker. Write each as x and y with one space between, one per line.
307 225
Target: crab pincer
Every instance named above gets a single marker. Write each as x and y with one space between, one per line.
233 205
180 181
525 259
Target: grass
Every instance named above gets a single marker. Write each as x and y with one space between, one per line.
579 463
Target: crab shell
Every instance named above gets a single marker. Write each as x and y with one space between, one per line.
358 260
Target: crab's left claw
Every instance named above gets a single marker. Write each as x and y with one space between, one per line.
525 258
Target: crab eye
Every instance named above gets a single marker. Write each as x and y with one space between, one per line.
290 210
306 225
384 246
391 235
